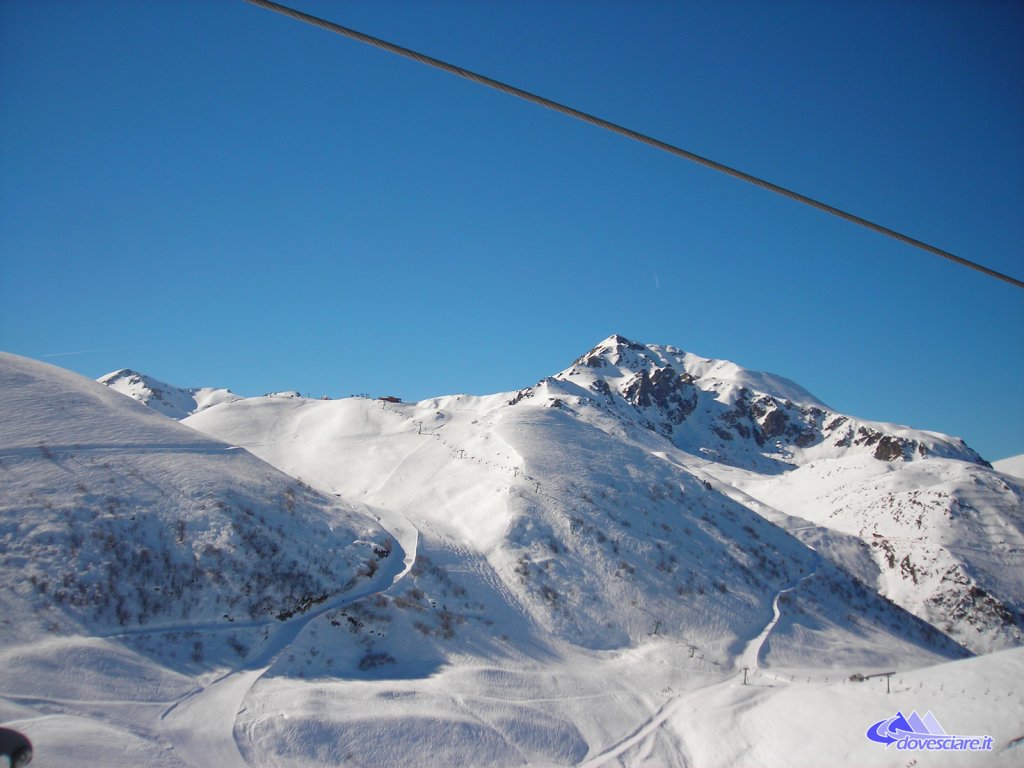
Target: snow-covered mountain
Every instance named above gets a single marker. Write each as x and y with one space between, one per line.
116 520
579 529
588 571
175 402
918 515
730 415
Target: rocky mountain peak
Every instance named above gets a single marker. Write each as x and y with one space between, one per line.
734 415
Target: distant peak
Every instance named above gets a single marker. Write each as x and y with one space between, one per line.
608 351
619 341
175 402
123 373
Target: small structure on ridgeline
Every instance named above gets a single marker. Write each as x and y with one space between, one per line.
389 399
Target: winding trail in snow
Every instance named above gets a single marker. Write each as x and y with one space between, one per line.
401 530
749 658
645 733
200 726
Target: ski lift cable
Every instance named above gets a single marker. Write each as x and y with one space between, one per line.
628 133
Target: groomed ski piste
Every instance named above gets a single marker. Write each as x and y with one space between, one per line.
551 585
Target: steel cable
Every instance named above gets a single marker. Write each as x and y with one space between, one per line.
627 132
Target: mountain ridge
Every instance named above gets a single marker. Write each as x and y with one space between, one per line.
117 518
745 405
543 577
175 402
755 442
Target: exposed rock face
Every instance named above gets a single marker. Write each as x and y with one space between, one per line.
671 393
773 423
891 448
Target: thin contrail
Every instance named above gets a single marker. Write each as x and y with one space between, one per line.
79 352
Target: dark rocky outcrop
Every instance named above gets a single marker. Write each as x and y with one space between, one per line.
665 389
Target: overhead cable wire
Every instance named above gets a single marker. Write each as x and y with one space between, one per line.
628 133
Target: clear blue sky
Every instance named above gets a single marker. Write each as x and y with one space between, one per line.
217 195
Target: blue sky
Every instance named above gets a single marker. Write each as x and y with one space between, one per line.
217 195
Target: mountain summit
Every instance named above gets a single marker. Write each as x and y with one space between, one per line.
728 414
906 512
175 402
918 515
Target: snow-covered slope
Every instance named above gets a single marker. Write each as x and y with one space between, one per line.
116 519
588 525
567 578
1014 465
947 537
175 402
945 533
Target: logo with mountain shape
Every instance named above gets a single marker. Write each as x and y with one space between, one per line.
916 732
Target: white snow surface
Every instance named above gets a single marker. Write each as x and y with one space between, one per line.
1013 465
583 572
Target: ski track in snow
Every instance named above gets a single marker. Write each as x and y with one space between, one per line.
645 734
73 451
476 564
401 530
200 726
751 655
